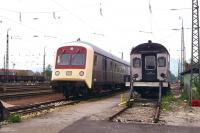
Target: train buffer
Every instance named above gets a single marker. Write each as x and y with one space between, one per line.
3 111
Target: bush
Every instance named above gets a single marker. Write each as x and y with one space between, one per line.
184 95
14 118
196 92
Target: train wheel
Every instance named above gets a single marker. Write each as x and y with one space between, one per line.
75 93
112 87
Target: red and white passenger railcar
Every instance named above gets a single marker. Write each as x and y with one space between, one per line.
81 67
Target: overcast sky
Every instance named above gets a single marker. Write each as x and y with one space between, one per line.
113 25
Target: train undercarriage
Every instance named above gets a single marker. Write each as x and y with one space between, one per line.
77 89
151 89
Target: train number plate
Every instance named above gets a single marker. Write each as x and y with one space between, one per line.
68 73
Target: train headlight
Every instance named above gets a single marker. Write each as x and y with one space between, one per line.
81 73
57 73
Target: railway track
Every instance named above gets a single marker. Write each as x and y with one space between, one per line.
26 109
15 95
139 110
15 91
142 110
21 88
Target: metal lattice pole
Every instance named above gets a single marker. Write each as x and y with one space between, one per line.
44 73
195 47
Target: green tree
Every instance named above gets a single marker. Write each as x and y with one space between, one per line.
48 72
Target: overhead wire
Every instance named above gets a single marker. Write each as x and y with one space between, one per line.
101 11
53 12
26 26
20 13
151 18
74 15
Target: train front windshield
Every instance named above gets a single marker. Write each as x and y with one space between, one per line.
71 59
150 62
63 59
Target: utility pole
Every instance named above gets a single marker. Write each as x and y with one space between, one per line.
182 49
195 55
7 54
182 65
179 66
4 67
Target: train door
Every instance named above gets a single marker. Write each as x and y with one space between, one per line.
104 66
149 67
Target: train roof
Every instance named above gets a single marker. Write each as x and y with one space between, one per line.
149 47
101 51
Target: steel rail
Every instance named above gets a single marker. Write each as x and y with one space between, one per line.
25 94
157 113
118 113
26 109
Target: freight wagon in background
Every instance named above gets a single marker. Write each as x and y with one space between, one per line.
14 75
82 68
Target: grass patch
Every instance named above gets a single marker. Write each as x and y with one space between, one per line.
14 118
196 92
184 95
166 101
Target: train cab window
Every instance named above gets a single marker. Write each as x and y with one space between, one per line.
63 59
161 62
78 59
136 62
150 62
95 60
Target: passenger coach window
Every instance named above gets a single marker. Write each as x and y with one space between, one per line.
150 62
95 60
136 62
111 65
161 62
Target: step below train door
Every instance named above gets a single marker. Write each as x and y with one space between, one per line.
149 69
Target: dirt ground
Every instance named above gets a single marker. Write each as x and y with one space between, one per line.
181 114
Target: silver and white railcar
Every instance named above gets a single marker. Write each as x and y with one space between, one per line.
150 64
